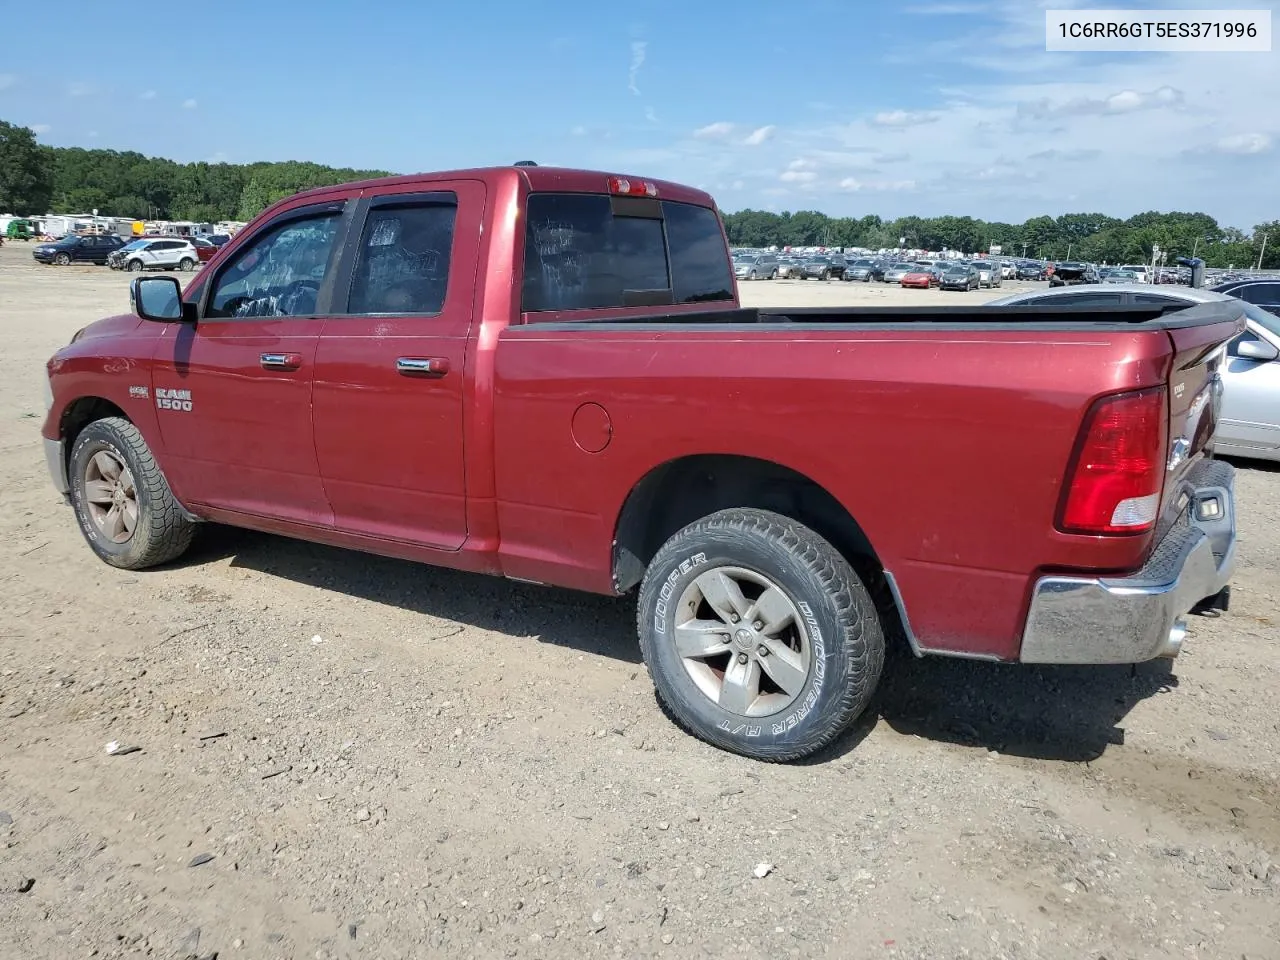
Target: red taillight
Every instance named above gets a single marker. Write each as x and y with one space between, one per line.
1117 474
632 188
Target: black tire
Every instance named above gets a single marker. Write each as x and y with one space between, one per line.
846 642
62 260
162 531
186 265
135 266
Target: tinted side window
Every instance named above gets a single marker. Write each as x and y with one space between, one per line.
402 265
1263 294
277 274
580 254
700 268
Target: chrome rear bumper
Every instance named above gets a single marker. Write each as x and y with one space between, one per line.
1094 620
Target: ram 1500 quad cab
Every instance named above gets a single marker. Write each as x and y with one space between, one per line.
545 374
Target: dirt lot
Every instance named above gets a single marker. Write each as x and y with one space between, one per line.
388 761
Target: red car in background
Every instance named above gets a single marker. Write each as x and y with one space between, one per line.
204 249
923 279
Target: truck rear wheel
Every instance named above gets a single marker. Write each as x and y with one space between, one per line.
125 509
759 636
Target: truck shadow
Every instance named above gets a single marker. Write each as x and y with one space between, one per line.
1058 713
562 618
1039 712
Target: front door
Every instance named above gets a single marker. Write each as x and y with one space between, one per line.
234 389
390 370
1249 421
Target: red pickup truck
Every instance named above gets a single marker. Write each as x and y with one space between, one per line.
545 374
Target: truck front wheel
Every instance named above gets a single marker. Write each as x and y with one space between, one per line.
123 504
759 636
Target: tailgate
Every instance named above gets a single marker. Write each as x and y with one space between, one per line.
1199 336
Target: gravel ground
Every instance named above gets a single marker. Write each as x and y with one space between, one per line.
346 756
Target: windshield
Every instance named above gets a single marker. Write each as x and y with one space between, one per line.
864 263
135 245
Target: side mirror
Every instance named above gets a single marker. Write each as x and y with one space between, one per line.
159 299
1256 350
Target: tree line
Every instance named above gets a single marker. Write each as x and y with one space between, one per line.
36 179
1094 237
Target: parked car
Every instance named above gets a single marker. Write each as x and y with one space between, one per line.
205 249
865 270
1117 275
989 274
1142 272
421 381
1263 292
155 253
96 248
960 277
1008 270
1031 271
1249 418
755 266
895 273
921 277
217 239
1072 273
790 267
824 268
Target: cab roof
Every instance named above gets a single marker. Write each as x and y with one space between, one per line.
536 179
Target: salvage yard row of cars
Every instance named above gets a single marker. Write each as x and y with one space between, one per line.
961 274
142 253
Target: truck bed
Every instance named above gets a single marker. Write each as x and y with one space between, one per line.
1032 317
945 433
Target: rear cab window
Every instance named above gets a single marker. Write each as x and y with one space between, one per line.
600 252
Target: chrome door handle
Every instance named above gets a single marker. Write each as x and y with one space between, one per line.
280 361
422 366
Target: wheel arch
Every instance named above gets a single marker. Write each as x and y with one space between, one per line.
676 493
81 412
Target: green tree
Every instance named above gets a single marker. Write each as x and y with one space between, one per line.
26 176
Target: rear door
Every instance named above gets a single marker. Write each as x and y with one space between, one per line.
234 389
390 375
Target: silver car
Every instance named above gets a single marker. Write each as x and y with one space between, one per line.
755 266
895 273
1249 421
155 253
988 274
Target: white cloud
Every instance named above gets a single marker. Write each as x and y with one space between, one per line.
854 185
40 128
7 80
79 88
714 131
650 115
737 185
759 135
798 176
189 104
1070 156
801 163
1126 101
903 118
147 95
578 131
638 51
1244 144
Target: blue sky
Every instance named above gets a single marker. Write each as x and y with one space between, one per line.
919 106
